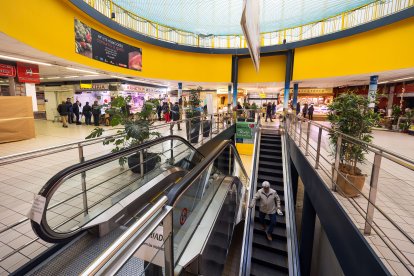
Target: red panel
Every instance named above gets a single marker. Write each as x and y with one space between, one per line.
7 70
28 72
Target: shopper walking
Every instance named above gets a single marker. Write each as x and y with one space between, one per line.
159 110
166 112
269 112
75 109
70 111
273 109
175 115
96 112
87 112
63 112
297 108
305 110
269 205
310 111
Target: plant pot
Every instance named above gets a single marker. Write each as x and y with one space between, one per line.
345 187
206 128
395 127
193 132
150 162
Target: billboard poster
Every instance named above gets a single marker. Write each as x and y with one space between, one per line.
7 70
245 132
95 45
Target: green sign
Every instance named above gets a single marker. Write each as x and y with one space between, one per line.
245 132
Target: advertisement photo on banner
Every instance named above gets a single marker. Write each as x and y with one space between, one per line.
93 44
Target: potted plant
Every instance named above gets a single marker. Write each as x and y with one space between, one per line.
193 113
396 113
136 128
349 114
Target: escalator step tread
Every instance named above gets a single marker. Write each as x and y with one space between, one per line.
268 170
270 178
267 144
276 245
279 231
260 270
279 219
270 257
269 156
271 151
275 163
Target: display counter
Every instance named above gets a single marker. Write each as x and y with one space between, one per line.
16 119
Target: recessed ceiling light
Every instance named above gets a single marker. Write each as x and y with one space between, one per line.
52 78
25 60
403 79
90 75
81 70
71 77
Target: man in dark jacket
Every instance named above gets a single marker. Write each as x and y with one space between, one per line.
96 112
159 110
87 112
70 111
269 112
75 109
63 112
297 108
175 115
305 110
310 111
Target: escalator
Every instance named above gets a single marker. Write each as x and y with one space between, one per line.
89 207
270 257
279 256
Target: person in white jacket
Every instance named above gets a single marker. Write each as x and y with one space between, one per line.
269 205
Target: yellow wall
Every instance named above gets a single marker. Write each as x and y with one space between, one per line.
48 25
272 69
387 48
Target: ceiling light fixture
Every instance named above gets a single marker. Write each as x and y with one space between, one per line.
383 82
71 77
81 70
403 79
90 75
25 60
52 78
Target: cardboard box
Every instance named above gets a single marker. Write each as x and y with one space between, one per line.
16 119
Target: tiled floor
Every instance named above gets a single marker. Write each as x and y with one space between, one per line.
21 181
395 196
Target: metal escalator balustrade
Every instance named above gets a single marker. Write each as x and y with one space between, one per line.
192 239
76 198
279 256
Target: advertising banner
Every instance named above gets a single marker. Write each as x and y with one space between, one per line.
7 70
28 72
245 132
93 44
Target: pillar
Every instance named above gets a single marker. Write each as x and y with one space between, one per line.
180 95
229 101
390 100
234 77
372 92
288 78
12 87
307 235
30 89
295 95
286 97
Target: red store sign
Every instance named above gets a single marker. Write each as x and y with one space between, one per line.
28 72
7 70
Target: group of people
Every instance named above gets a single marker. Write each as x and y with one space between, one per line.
68 111
306 110
169 112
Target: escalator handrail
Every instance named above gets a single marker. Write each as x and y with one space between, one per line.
58 179
245 259
188 179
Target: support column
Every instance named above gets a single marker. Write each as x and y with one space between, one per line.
390 100
288 78
12 87
229 99
307 235
180 94
372 92
295 95
294 176
234 77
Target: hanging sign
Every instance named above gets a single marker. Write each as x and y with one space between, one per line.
7 70
93 44
28 72
142 89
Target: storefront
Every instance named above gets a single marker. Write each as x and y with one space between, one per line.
319 97
140 94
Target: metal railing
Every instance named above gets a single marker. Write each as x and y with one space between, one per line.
79 152
373 205
343 21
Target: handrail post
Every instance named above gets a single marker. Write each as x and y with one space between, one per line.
300 132
372 193
83 180
307 139
172 146
211 126
202 130
318 149
337 159
230 161
141 161
296 127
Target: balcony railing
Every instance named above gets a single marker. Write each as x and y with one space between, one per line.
343 21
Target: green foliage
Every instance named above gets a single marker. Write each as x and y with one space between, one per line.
350 114
194 103
396 113
135 126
